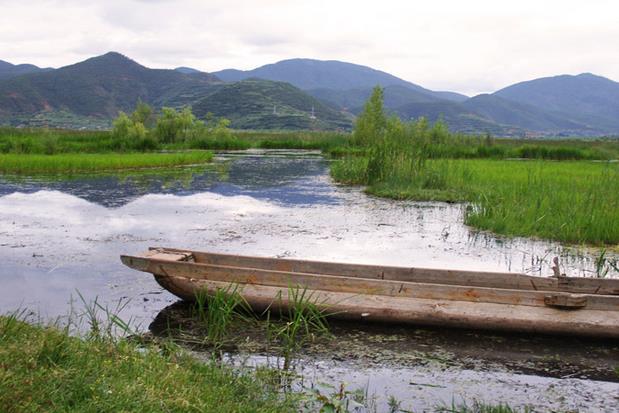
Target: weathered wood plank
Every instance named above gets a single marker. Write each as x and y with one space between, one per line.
412 274
392 288
421 311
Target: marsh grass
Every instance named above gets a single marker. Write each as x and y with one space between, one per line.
303 318
481 407
104 323
574 202
56 141
71 163
220 309
605 264
570 201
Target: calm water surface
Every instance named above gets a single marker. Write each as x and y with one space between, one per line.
61 236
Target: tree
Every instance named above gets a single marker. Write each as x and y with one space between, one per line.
142 113
167 125
371 123
121 126
129 133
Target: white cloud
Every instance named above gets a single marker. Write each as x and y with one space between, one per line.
471 46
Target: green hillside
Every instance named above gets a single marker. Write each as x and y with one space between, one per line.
264 104
89 94
99 87
8 70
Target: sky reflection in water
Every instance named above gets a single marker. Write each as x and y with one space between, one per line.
61 236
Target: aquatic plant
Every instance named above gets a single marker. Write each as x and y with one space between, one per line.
481 407
604 264
569 201
304 318
219 309
104 322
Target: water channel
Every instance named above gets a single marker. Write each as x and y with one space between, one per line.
60 236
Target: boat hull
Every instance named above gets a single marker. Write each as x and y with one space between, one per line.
551 310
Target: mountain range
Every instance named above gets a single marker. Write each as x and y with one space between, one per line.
300 94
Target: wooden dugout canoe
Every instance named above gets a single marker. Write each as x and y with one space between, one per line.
466 299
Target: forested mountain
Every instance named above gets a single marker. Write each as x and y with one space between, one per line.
8 70
284 94
586 98
265 104
308 74
100 86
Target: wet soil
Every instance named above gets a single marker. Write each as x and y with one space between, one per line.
374 344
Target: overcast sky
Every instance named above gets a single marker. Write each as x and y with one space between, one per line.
468 46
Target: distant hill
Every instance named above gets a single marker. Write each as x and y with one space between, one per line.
100 87
586 98
265 104
353 100
310 74
281 96
8 70
510 111
187 70
522 115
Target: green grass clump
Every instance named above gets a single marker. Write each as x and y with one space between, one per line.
45 369
304 318
479 407
68 163
218 310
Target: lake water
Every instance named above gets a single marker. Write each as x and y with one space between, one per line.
59 237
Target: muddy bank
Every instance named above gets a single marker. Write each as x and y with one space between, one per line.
424 367
374 344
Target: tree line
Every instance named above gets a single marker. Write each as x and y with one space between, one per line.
144 129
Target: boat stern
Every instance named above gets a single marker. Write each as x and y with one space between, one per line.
142 262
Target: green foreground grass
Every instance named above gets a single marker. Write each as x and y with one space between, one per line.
44 369
571 201
68 163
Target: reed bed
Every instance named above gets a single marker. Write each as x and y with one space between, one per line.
574 202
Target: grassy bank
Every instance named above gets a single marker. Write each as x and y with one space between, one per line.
69 163
575 202
44 369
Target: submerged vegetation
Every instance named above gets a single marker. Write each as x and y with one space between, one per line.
576 202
